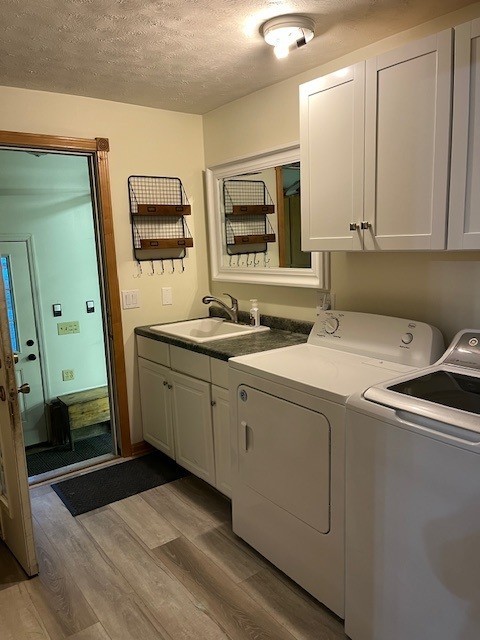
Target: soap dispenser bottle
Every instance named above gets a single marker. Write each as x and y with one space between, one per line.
254 313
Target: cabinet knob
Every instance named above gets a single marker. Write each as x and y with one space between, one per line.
365 225
354 226
170 386
213 403
165 383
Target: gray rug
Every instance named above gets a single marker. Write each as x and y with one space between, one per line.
99 488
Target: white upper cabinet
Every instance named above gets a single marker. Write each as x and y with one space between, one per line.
407 136
464 227
375 151
332 157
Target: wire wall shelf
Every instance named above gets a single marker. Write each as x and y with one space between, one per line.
246 206
157 208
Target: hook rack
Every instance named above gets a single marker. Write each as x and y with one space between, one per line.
158 206
246 206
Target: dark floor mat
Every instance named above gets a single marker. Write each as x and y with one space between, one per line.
86 449
99 488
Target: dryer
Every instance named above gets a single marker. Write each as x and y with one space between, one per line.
288 438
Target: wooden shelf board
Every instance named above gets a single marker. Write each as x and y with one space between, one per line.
254 239
252 209
166 243
163 210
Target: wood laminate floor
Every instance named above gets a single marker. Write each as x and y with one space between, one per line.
161 565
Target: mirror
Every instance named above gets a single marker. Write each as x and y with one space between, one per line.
254 222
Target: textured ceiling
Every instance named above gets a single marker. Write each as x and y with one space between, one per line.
183 55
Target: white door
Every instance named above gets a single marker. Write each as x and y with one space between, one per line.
221 438
464 223
407 134
155 401
192 425
331 160
16 273
15 512
284 455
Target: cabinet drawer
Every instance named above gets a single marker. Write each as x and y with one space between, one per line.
219 371
191 363
153 350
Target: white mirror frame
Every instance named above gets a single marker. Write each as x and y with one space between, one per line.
316 277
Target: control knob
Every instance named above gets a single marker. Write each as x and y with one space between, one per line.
407 338
331 325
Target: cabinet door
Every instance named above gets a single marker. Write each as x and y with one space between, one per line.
464 221
221 439
332 159
192 424
407 133
155 401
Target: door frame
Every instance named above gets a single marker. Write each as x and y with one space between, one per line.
97 150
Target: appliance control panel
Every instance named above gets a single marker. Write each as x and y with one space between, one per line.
464 350
383 337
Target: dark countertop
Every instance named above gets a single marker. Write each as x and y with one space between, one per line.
226 348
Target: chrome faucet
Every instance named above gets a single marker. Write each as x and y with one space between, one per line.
232 311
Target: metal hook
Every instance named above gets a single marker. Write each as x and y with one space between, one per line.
266 258
163 267
183 266
249 263
230 261
256 262
139 270
153 269
173 266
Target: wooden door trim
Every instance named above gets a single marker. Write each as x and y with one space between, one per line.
98 149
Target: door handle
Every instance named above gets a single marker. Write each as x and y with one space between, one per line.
15 358
24 388
31 356
247 435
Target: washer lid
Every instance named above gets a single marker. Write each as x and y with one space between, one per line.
327 373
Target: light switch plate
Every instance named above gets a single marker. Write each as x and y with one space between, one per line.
130 299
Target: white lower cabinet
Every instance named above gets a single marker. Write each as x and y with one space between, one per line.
184 416
155 401
192 425
221 438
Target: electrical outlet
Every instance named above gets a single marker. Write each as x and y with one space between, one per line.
65 328
167 295
68 374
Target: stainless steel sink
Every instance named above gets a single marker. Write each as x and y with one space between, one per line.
206 329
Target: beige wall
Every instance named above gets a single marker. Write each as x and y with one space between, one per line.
439 288
142 141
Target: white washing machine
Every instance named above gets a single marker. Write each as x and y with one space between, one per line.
413 503
288 438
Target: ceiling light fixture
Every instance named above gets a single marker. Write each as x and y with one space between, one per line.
283 32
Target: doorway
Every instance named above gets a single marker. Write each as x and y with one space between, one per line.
57 311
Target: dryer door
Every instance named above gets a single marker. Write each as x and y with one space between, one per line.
284 455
